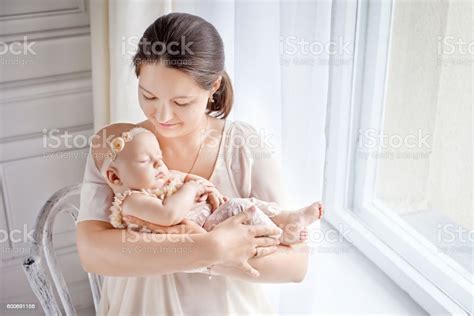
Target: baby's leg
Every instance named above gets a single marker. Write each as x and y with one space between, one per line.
199 214
294 223
270 209
234 207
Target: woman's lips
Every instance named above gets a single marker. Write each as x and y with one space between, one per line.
165 125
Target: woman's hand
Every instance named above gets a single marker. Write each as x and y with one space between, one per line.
236 242
184 227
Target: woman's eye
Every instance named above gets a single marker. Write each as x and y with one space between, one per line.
149 98
182 104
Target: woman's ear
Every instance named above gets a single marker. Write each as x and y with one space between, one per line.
216 84
113 176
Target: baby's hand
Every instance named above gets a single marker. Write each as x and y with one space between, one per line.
216 199
199 187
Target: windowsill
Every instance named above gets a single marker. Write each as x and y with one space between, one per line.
427 224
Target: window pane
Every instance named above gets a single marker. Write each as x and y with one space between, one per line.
424 148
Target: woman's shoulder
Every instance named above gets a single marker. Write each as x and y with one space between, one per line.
242 128
247 138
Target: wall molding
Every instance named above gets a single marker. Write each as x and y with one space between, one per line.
31 146
16 25
80 7
48 34
45 87
8 88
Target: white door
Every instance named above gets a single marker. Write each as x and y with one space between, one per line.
45 89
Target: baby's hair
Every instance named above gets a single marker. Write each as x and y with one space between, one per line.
101 140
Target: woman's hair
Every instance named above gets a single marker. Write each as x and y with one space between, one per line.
190 44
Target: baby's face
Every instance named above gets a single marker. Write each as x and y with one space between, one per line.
140 164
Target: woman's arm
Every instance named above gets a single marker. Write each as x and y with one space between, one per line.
108 251
286 265
118 252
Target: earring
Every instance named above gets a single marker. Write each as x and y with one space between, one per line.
211 98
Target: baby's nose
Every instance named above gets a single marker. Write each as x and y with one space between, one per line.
157 164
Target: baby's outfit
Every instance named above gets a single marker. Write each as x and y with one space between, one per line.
201 214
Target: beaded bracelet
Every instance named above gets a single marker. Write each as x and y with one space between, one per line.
209 272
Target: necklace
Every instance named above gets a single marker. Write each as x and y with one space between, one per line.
201 146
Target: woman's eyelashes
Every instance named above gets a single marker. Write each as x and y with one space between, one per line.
182 104
149 98
175 102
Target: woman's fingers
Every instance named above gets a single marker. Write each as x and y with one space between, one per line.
265 251
247 268
263 230
245 216
266 242
191 227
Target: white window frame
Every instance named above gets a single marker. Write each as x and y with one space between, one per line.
356 97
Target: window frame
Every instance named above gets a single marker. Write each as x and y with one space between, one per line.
431 278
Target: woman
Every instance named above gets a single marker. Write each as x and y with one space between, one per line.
185 93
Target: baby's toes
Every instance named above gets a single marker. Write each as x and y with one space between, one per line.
321 211
304 235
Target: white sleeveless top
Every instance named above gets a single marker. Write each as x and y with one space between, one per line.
241 170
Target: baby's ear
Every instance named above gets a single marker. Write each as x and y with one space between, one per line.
113 176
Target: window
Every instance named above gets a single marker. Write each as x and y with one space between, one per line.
399 156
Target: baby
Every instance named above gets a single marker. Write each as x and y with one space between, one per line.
132 164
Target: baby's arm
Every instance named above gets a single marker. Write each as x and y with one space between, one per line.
213 197
169 212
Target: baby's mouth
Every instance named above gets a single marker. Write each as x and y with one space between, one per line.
160 175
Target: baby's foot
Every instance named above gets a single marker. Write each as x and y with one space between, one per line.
294 223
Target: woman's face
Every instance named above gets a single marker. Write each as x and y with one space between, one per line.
171 100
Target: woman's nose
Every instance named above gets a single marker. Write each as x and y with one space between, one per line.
163 112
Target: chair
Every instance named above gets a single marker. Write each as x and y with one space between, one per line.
41 264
